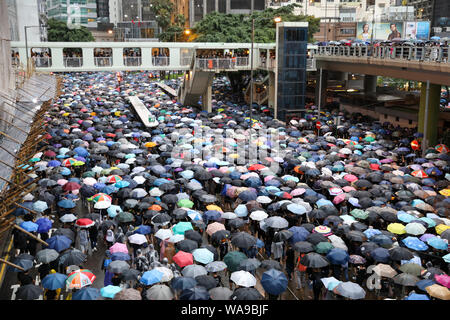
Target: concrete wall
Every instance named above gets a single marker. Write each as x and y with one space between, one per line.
6 75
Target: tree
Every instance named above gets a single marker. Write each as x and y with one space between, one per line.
163 12
219 27
58 31
175 32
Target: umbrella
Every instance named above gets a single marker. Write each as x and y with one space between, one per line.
337 256
400 253
415 228
128 294
274 282
314 260
411 268
406 279
67 218
380 255
182 283
415 244
206 281
118 247
356 259
159 292
181 227
72 257
130 275
415 296
193 271
44 225
86 293
214 227
118 266
384 270
216 266
203 255
243 278
137 238
276 222
243 240
443 279
220 293
54 281
84 223
46 255
195 293
28 292
80 278
187 245
438 291
109 291
233 260
151 277
59 243
246 294
350 290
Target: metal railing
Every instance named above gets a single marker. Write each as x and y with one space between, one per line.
103 61
221 63
132 61
160 61
413 53
74 62
185 61
43 62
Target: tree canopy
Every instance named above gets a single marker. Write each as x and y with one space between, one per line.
220 27
58 31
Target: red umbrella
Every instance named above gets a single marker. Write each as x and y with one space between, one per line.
350 177
255 167
183 258
419 174
49 153
85 223
70 186
286 195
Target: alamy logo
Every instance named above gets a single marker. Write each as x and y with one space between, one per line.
73 16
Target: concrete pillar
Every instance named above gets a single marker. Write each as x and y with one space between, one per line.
434 95
323 99
146 58
272 84
206 98
370 83
205 11
117 57
88 58
57 58
175 58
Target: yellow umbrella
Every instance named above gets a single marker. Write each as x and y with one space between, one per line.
150 144
113 168
438 291
441 228
445 192
93 113
214 207
117 113
234 156
396 228
65 114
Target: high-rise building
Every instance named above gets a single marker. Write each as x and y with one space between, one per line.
83 12
30 13
436 11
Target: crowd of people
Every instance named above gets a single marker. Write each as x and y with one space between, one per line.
348 212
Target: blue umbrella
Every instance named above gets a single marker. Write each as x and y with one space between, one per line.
296 208
53 163
338 256
404 217
195 293
66 172
253 182
324 202
99 185
24 263
120 256
114 210
183 283
371 232
44 224
380 255
274 281
248 195
382 240
110 291
59 243
422 284
213 215
29 226
40 206
299 234
241 210
438 243
416 296
54 281
66 204
151 277
121 184
143 229
86 293
82 152
415 243
203 255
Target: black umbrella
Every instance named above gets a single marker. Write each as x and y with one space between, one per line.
303 247
356 236
243 240
283 235
246 294
206 281
161 218
236 223
400 253
271 264
314 260
186 245
130 275
220 235
308 226
65 232
315 238
249 264
28 292
72 257
193 235
195 293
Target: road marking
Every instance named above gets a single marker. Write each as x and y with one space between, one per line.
14 287
6 258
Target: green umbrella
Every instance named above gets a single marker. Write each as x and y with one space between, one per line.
323 247
233 258
411 268
185 203
105 172
88 174
125 217
359 214
35 159
369 139
78 163
181 227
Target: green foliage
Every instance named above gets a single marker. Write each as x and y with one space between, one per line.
163 11
58 31
219 27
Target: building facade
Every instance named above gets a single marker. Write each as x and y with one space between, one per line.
30 13
83 12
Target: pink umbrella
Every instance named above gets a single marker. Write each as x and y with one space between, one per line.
348 189
268 178
62 182
443 279
214 227
339 198
298 192
350 177
118 247
335 191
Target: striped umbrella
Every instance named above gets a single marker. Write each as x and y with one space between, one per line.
101 197
324 230
68 162
113 179
80 278
442 148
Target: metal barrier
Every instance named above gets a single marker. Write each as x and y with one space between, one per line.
415 53
221 63
43 62
103 61
74 62
132 61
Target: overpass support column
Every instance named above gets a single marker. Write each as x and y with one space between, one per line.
370 84
206 98
272 84
321 91
428 121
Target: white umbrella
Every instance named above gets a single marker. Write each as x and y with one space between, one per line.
276 222
337 242
258 215
176 238
102 205
156 192
89 181
228 215
68 218
168 274
263 199
137 238
243 278
28 197
194 270
163 234
139 179
138 193
159 292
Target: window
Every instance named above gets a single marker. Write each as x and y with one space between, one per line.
347 31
